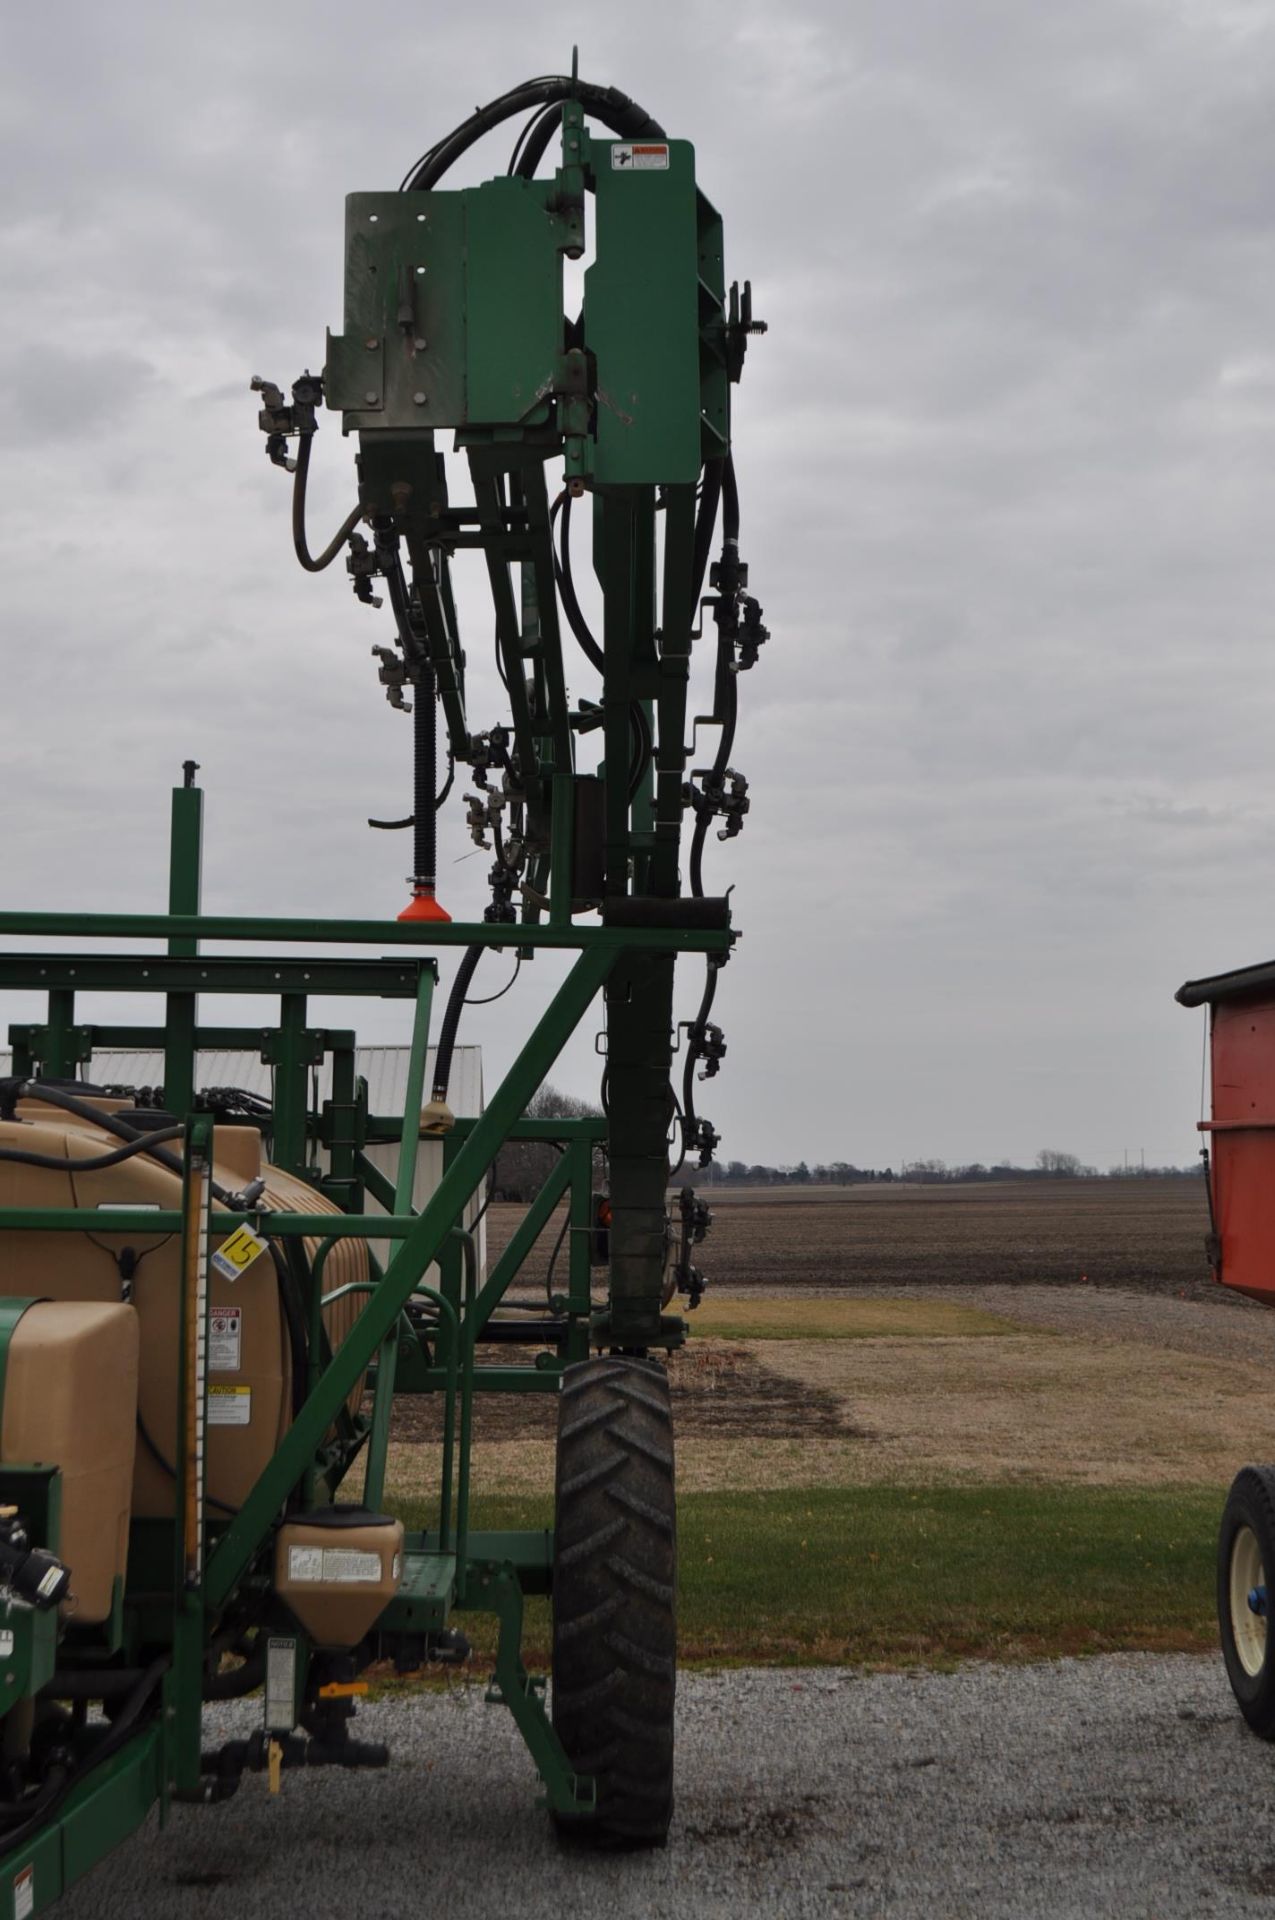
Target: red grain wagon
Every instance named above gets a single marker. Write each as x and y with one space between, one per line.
1240 1169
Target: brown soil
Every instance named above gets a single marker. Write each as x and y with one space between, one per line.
1145 1234
718 1390
1094 1386
1125 1364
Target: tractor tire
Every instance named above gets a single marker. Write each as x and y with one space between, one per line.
1246 1565
615 1597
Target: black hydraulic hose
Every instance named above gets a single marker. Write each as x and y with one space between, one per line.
608 104
553 1257
109 1123
727 701
730 502
295 1317
566 585
400 602
727 683
530 128
228 1100
643 745
490 998
726 739
96 1163
114 1123
88 1683
698 837
694 1047
311 562
721 760
239 1681
538 136
34 1810
38 1810
425 778
166 1466
451 1021
431 153
705 522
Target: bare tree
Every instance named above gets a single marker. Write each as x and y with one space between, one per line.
1065 1166
523 1166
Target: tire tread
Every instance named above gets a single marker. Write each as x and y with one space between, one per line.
614 1602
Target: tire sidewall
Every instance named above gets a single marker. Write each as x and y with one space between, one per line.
1250 1503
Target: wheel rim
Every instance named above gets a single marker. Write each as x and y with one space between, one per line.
1248 1629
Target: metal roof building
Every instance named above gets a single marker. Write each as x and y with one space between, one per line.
384 1069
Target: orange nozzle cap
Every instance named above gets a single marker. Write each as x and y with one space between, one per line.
423 906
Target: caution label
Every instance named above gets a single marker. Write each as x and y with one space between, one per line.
650 158
225 1339
281 1685
229 1406
23 1893
235 1255
341 1565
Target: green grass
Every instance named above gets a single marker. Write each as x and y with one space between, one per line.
766 1317
899 1577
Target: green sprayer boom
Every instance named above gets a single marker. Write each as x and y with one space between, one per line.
211 1295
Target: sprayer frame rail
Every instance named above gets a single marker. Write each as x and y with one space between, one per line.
449 1568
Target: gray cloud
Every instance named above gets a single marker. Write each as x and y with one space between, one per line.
47 394
1007 489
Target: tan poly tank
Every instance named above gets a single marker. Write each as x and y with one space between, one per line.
338 1569
70 1400
249 1359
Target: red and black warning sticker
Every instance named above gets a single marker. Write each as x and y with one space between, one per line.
636 157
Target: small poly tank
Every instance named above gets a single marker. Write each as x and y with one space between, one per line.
338 1569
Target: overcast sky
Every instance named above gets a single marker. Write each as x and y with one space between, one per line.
1007 459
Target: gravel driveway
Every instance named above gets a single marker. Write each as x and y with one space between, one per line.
1123 1786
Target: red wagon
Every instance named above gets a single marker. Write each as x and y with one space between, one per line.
1240 1169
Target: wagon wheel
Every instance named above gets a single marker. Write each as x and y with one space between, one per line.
614 1596
1245 1565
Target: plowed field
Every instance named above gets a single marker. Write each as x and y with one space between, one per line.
1147 1234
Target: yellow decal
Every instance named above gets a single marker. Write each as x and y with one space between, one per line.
235 1255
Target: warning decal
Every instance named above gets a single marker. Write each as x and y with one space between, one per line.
341 1564
235 1255
23 1893
648 158
225 1339
281 1685
229 1406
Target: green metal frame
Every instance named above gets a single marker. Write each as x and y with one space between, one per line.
453 320
450 1568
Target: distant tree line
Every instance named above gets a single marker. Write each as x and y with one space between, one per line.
1050 1164
522 1166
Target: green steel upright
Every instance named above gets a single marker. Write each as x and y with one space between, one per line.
485 415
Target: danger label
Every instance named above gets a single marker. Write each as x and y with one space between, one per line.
341 1565
639 159
229 1406
235 1255
23 1893
225 1339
